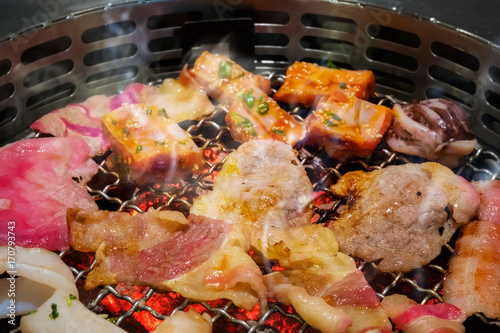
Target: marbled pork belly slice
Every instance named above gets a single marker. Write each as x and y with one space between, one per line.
323 285
221 78
411 317
399 214
256 107
261 185
435 129
473 279
489 192
181 102
347 127
306 83
79 120
148 146
201 258
37 186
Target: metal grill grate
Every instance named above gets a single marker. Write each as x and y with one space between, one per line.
101 50
423 285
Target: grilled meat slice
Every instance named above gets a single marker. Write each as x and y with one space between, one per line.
399 214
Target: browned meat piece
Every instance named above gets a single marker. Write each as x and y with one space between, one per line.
399 214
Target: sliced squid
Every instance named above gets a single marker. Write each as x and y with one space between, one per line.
64 313
39 273
435 129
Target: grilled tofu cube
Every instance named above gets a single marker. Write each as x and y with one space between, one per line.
148 146
306 83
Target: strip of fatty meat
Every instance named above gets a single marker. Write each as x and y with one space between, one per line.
323 285
473 279
435 129
221 78
148 146
411 317
305 83
402 214
199 257
79 120
37 186
261 185
180 102
347 127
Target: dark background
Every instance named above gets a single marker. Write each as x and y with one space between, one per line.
478 17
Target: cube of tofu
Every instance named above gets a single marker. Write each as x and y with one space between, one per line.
148 146
347 128
306 83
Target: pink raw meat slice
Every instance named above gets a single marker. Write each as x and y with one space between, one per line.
37 186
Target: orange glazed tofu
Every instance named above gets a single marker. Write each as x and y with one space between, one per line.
222 78
149 147
306 83
347 127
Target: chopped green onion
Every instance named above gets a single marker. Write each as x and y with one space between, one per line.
148 111
138 149
225 69
114 122
126 131
248 98
54 313
243 122
342 85
333 115
163 113
70 299
32 311
330 64
330 123
280 132
263 108
160 142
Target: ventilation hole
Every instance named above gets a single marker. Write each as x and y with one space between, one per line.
6 91
491 123
324 63
172 20
262 16
493 99
326 44
112 76
165 44
395 82
394 35
48 73
7 115
50 95
46 49
5 66
271 39
455 55
166 66
438 93
109 54
453 79
329 22
392 58
272 59
108 31
494 73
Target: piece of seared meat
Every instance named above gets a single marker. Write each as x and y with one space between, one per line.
401 215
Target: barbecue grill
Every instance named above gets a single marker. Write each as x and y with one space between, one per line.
71 53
